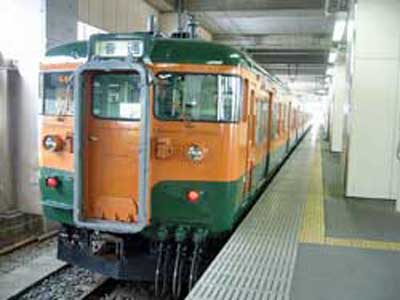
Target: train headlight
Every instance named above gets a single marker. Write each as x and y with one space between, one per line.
195 153
52 143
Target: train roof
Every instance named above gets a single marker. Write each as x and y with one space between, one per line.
167 50
71 50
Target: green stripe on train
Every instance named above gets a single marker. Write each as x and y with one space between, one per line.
221 203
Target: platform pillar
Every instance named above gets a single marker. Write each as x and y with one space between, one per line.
373 132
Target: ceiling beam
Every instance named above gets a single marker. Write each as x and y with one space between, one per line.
276 41
240 5
296 70
289 56
290 59
162 5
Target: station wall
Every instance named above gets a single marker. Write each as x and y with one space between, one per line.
61 23
116 15
127 15
25 44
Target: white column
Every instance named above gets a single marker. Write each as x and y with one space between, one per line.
374 115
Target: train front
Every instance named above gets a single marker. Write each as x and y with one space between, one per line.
111 158
150 180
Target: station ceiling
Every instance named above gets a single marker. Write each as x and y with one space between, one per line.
290 38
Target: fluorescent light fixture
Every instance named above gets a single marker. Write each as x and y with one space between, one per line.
338 30
332 57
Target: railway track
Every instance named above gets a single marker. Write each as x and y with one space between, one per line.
28 242
30 270
117 290
68 282
61 281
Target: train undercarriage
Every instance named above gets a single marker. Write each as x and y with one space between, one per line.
173 262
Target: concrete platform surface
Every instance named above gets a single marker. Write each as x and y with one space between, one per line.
332 273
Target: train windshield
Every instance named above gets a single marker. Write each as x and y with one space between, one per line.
116 96
198 97
58 93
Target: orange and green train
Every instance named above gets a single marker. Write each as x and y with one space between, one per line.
146 140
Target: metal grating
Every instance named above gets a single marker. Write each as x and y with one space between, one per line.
258 260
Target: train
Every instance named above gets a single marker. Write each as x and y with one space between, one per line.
152 149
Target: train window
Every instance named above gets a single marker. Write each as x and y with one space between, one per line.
262 121
275 116
198 97
57 94
287 118
116 96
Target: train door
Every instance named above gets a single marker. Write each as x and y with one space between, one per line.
250 147
110 139
112 147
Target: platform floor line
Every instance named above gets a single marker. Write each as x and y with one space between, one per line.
258 260
313 225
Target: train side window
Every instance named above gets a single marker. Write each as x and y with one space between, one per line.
262 121
288 118
57 93
275 120
230 97
245 100
198 97
279 112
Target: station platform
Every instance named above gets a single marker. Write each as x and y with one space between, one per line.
304 240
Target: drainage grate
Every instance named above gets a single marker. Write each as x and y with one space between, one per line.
258 260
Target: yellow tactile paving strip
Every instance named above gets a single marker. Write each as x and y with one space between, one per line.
313 226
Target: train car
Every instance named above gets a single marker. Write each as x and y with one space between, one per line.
153 148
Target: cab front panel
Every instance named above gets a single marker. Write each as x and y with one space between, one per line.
218 175
217 178
215 211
